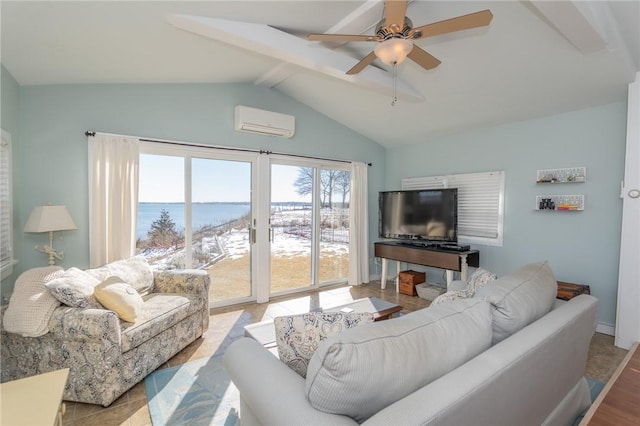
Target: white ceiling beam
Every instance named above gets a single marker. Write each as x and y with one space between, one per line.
275 75
570 19
268 41
357 22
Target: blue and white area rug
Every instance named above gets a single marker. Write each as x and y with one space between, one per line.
200 393
595 387
197 393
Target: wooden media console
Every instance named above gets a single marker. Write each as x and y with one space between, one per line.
450 260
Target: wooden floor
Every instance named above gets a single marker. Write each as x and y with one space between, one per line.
227 324
619 402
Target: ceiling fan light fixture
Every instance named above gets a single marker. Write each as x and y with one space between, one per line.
393 50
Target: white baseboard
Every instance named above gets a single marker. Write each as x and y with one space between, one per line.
606 329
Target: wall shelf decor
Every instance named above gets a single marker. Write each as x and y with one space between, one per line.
560 202
566 175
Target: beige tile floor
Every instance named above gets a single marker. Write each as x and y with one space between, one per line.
227 324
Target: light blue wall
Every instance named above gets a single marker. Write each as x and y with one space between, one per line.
10 122
50 165
53 120
581 247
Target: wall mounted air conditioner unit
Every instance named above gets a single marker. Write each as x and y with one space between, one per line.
263 122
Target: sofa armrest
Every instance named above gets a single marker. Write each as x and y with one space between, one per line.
274 393
183 281
85 324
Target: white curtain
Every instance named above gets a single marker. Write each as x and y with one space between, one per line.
359 225
113 197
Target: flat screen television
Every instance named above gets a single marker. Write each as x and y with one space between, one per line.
429 215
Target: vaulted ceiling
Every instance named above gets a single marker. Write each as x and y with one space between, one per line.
536 58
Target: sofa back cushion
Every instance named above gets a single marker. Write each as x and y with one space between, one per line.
519 298
364 369
134 270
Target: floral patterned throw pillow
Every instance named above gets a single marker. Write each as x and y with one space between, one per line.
479 278
475 282
450 296
74 288
298 336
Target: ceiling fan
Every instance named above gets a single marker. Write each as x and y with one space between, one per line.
395 34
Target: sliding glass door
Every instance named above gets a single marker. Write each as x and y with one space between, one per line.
309 226
195 212
292 222
333 254
220 216
258 224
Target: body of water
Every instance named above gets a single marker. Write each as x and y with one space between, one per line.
202 214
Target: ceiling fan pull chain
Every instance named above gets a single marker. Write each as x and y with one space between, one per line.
395 84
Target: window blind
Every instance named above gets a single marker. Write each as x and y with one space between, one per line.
480 203
6 237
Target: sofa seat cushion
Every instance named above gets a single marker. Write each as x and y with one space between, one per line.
160 311
364 369
520 298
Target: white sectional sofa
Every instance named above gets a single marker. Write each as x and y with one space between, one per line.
512 355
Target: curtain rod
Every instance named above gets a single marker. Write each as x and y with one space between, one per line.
197 145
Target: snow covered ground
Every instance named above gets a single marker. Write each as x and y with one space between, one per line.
291 232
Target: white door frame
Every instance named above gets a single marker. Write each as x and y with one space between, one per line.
628 309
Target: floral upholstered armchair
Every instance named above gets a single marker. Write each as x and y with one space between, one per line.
106 355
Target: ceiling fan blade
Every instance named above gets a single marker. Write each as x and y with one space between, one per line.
362 64
394 12
465 22
423 58
341 37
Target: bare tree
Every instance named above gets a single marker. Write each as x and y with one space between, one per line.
343 184
304 181
330 180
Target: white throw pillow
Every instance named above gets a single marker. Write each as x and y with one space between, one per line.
364 369
31 304
298 336
74 288
120 297
519 298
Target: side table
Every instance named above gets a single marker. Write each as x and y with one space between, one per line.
567 291
34 401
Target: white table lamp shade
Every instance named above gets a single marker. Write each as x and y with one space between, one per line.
49 218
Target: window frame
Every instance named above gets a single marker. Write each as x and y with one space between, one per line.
6 208
493 183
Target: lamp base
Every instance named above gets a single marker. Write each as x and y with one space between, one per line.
53 255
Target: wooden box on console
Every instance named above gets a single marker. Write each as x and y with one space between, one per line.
567 291
408 280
